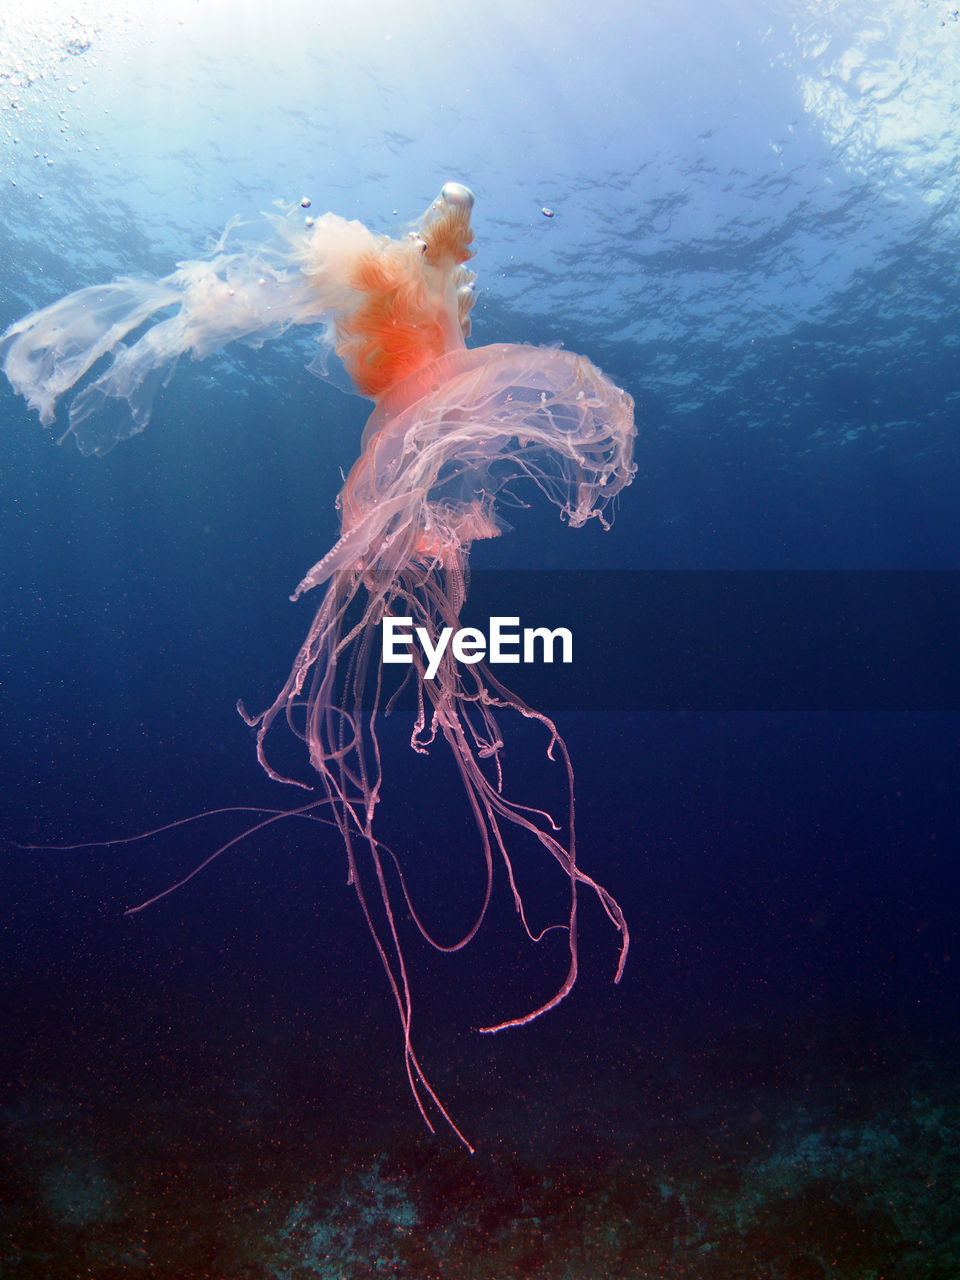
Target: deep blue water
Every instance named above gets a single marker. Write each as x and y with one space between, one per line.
782 304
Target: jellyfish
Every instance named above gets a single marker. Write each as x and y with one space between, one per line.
454 433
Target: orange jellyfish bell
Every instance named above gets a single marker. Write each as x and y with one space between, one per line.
414 300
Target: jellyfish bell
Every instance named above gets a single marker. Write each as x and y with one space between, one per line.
453 430
456 195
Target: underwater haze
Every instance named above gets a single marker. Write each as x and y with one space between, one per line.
746 215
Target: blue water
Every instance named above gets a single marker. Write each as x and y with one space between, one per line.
754 226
